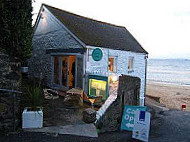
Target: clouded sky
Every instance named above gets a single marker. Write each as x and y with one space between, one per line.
162 27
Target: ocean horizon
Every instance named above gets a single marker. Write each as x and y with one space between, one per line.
172 71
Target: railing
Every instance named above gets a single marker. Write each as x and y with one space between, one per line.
13 95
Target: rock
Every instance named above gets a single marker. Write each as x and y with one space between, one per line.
75 99
89 115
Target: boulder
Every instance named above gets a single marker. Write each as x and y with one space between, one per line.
89 115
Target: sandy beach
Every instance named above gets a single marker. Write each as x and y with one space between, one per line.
173 96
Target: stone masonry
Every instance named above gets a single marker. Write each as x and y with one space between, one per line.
49 34
10 78
126 94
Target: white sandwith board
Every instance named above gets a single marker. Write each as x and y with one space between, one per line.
141 126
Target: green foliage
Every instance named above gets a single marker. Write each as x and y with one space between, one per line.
16 28
32 95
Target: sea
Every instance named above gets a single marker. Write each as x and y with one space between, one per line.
172 71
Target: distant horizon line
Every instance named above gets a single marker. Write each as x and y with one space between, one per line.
170 58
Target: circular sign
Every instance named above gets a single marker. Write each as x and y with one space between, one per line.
97 54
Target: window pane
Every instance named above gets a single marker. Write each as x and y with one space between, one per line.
111 64
97 88
56 70
64 70
130 63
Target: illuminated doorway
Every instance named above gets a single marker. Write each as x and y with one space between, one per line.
65 71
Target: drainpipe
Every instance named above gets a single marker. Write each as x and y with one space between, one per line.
146 57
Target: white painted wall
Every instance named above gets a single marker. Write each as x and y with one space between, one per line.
101 67
46 23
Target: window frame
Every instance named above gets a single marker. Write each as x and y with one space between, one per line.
130 65
115 60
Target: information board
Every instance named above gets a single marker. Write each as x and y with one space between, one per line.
141 126
128 116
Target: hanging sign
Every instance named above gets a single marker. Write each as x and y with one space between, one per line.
97 54
141 126
128 117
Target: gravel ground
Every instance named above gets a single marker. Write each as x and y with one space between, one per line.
171 126
166 126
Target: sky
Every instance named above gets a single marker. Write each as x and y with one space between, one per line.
162 27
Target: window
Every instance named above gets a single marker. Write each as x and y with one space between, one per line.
112 66
56 70
98 86
130 63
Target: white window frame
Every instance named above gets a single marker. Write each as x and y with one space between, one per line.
114 63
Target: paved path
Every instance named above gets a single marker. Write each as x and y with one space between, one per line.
88 130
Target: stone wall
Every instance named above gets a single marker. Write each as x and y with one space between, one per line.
10 78
109 116
9 111
49 34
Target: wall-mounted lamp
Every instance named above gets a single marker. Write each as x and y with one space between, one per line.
42 14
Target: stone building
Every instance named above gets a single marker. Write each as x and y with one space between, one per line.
74 51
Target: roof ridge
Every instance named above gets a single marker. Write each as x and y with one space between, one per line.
84 16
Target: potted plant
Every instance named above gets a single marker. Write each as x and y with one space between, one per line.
32 116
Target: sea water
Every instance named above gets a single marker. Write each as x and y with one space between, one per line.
174 71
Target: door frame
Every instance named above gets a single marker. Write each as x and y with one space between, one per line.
77 55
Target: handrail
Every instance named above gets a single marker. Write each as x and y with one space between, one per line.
9 91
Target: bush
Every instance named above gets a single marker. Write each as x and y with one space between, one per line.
16 28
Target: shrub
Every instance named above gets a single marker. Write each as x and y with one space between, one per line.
16 28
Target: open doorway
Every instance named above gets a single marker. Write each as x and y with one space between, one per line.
65 70
71 72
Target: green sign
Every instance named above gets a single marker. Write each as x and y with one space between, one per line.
128 116
97 54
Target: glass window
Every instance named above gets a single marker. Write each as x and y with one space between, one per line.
64 70
112 65
56 70
97 88
130 63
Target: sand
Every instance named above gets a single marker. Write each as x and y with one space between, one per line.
173 96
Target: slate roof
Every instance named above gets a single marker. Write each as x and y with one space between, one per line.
96 33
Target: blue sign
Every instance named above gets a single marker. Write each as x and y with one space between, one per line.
97 54
128 116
